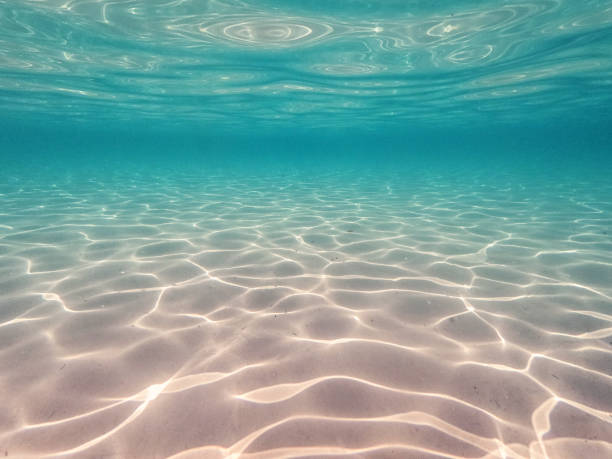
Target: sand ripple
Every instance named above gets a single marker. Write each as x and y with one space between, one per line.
275 317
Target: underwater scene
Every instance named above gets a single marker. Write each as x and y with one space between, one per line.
270 229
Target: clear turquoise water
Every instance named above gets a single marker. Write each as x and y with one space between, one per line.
295 79
240 228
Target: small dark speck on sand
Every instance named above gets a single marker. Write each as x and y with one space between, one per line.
554 376
62 367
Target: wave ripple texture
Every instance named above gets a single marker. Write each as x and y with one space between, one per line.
286 62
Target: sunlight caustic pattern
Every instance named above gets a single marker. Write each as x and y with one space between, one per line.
294 317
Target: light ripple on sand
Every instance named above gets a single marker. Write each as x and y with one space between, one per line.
145 312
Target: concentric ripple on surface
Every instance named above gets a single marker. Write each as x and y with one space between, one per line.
268 32
305 316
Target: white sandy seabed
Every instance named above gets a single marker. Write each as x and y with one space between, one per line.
305 317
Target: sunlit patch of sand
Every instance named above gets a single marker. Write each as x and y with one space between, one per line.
329 318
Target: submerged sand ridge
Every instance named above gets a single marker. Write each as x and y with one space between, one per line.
297 316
